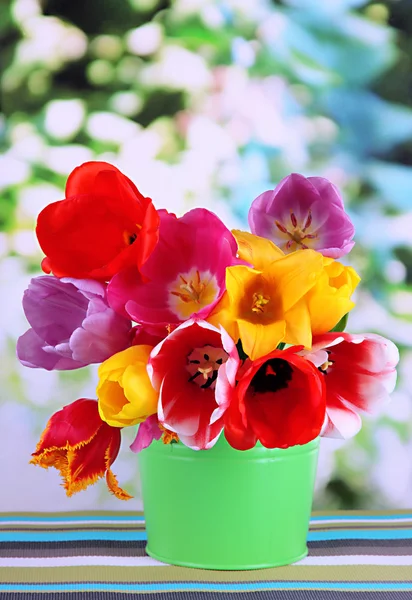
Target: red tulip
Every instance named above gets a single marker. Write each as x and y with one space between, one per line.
359 372
194 370
279 400
103 225
81 447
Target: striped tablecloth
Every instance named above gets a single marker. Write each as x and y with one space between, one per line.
101 556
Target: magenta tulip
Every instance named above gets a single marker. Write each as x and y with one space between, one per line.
185 275
303 213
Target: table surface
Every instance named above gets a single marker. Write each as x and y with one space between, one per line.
101 556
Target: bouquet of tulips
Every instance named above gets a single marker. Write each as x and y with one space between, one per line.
200 331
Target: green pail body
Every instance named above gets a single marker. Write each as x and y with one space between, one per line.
226 509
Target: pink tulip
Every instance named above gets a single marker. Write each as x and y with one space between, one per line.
185 275
303 213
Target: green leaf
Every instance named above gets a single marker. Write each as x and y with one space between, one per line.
342 324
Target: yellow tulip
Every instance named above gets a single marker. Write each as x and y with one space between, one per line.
329 300
126 396
282 298
266 307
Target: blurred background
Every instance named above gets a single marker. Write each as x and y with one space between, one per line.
209 103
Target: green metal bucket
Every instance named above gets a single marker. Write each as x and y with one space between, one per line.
225 509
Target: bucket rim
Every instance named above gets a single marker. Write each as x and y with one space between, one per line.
223 450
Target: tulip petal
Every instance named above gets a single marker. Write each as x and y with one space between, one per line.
341 422
238 435
88 287
223 392
122 286
111 402
147 431
298 326
258 339
295 274
87 463
82 179
223 316
207 433
178 413
327 190
73 425
53 309
255 250
102 334
32 352
138 390
113 486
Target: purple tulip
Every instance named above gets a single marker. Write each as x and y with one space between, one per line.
303 213
72 324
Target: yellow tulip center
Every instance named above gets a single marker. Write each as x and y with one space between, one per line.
259 301
192 291
297 233
203 365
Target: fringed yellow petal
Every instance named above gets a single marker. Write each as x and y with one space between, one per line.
59 458
113 486
72 487
52 457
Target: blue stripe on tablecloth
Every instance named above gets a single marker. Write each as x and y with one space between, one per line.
313 536
120 518
211 587
360 534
